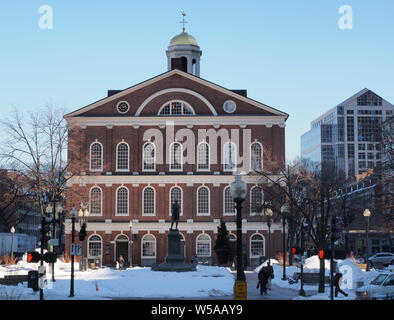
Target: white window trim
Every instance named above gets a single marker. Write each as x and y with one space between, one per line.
250 158
154 202
171 114
90 156
169 200
250 245
209 156
224 204
128 157
209 201
143 158
170 162
101 202
224 157
101 253
142 247
210 245
128 202
250 201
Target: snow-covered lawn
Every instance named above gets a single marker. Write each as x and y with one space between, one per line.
352 274
106 283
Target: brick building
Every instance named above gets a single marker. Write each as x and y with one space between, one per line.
173 137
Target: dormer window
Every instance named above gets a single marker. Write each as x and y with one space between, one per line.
176 108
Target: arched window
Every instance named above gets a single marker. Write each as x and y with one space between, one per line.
122 202
203 156
95 201
148 246
95 247
122 247
96 156
122 157
178 108
176 194
256 200
228 202
176 162
203 245
149 157
256 162
148 202
230 156
203 201
257 245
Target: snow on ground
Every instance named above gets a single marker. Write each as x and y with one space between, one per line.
130 283
352 275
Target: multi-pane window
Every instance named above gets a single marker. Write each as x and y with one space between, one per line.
350 128
96 156
368 128
229 206
361 155
361 146
95 201
203 156
176 195
203 201
369 99
203 245
148 246
256 245
176 156
230 154
122 153
94 247
256 200
122 201
256 157
149 157
176 108
149 201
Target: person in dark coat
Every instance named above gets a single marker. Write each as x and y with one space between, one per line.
263 280
336 280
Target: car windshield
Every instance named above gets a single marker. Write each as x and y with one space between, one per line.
379 279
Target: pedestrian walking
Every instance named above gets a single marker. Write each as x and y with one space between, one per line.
270 274
121 262
336 281
263 280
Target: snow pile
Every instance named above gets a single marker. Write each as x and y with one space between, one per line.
352 274
313 262
138 282
272 261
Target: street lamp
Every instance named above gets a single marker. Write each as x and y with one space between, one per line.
302 291
83 215
367 215
131 243
73 214
268 212
285 210
12 242
238 193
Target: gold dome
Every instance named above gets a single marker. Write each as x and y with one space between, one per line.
183 38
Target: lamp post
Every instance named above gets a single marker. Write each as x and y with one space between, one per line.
285 210
302 291
367 215
12 242
73 218
238 193
269 214
131 243
56 209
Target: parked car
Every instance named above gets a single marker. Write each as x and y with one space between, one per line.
381 259
382 287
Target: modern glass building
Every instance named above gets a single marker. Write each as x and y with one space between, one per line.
348 136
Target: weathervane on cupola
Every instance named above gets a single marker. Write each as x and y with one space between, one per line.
183 52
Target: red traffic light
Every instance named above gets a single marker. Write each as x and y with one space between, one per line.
323 254
33 257
295 250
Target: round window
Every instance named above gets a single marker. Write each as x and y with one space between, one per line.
229 106
123 107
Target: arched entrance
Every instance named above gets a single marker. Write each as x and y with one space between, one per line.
122 248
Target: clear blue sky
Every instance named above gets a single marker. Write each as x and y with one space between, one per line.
288 54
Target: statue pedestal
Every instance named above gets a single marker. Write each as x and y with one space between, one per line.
174 260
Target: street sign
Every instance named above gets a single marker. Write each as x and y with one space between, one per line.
240 290
54 242
76 249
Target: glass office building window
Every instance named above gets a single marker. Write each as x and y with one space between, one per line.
369 99
350 128
368 128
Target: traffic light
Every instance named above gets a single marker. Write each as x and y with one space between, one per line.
295 250
33 257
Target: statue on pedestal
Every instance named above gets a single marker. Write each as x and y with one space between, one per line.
175 215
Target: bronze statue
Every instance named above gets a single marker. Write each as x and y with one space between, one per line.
175 214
